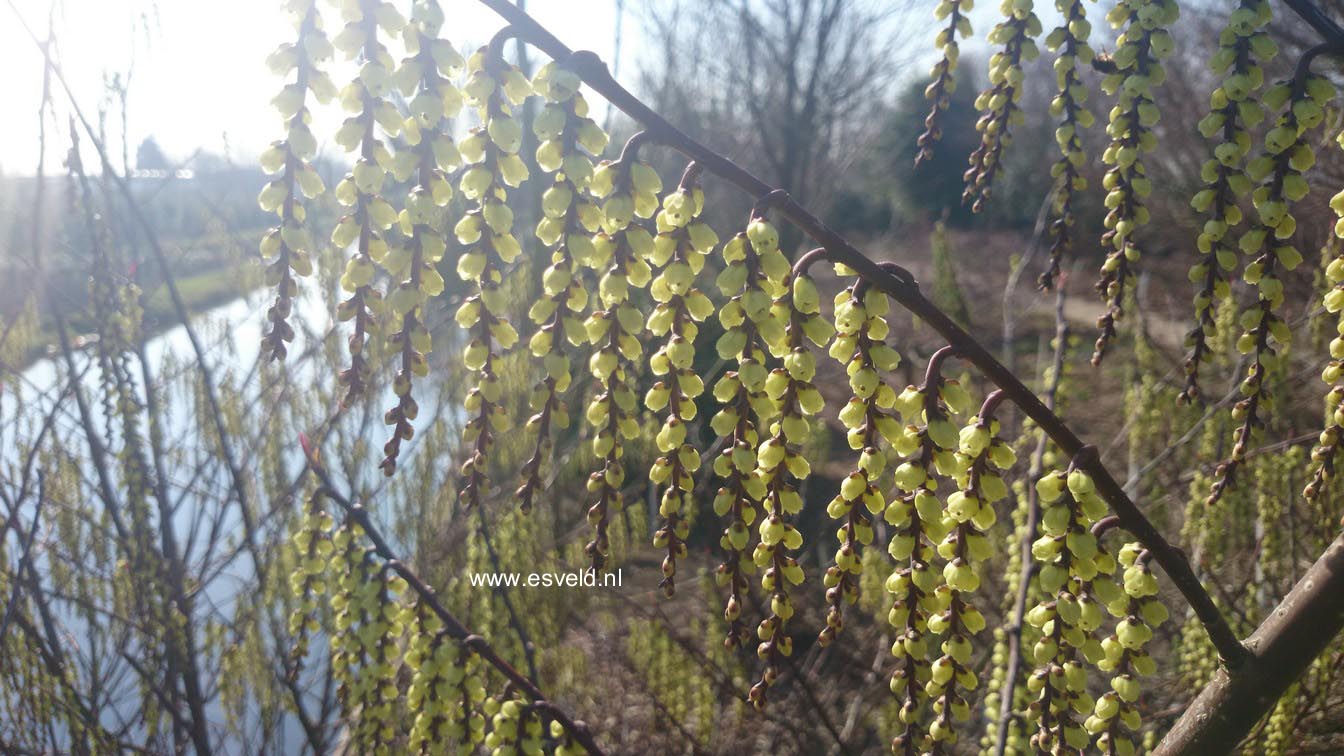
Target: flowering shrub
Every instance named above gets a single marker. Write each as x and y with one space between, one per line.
624 269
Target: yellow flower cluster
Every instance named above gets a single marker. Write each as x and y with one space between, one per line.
1070 560
980 460
998 105
794 315
364 645
288 247
426 152
1115 720
750 282
1288 153
861 328
1323 456
568 139
370 216
431 656
1142 44
628 188
307 581
928 443
490 151
678 254
1069 43
1243 45
467 728
515 727
944 73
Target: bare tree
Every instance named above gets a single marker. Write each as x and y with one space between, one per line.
791 86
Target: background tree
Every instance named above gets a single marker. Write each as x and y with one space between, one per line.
149 156
793 87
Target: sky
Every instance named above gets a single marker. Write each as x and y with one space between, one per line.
197 67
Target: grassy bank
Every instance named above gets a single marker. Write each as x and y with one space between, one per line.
201 289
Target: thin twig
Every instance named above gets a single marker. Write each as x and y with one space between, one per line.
179 306
26 554
1027 563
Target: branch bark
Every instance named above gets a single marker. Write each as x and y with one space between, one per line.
1281 649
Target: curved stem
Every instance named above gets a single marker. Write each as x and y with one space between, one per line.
992 403
630 152
801 266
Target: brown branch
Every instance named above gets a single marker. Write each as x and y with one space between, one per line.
451 625
1281 649
1330 31
901 286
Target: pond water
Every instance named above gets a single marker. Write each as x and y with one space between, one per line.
231 336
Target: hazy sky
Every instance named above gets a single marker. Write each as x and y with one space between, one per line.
198 76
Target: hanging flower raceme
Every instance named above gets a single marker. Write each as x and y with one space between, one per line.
998 107
119 322
1070 561
432 657
861 327
568 140
1323 456
980 460
307 581
1115 721
494 87
928 442
1095 595
1235 106
750 281
1069 43
427 153
1265 334
1140 48
364 646
794 316
288 248
630 189
468 726
118 318
944 74
370 216
678 254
